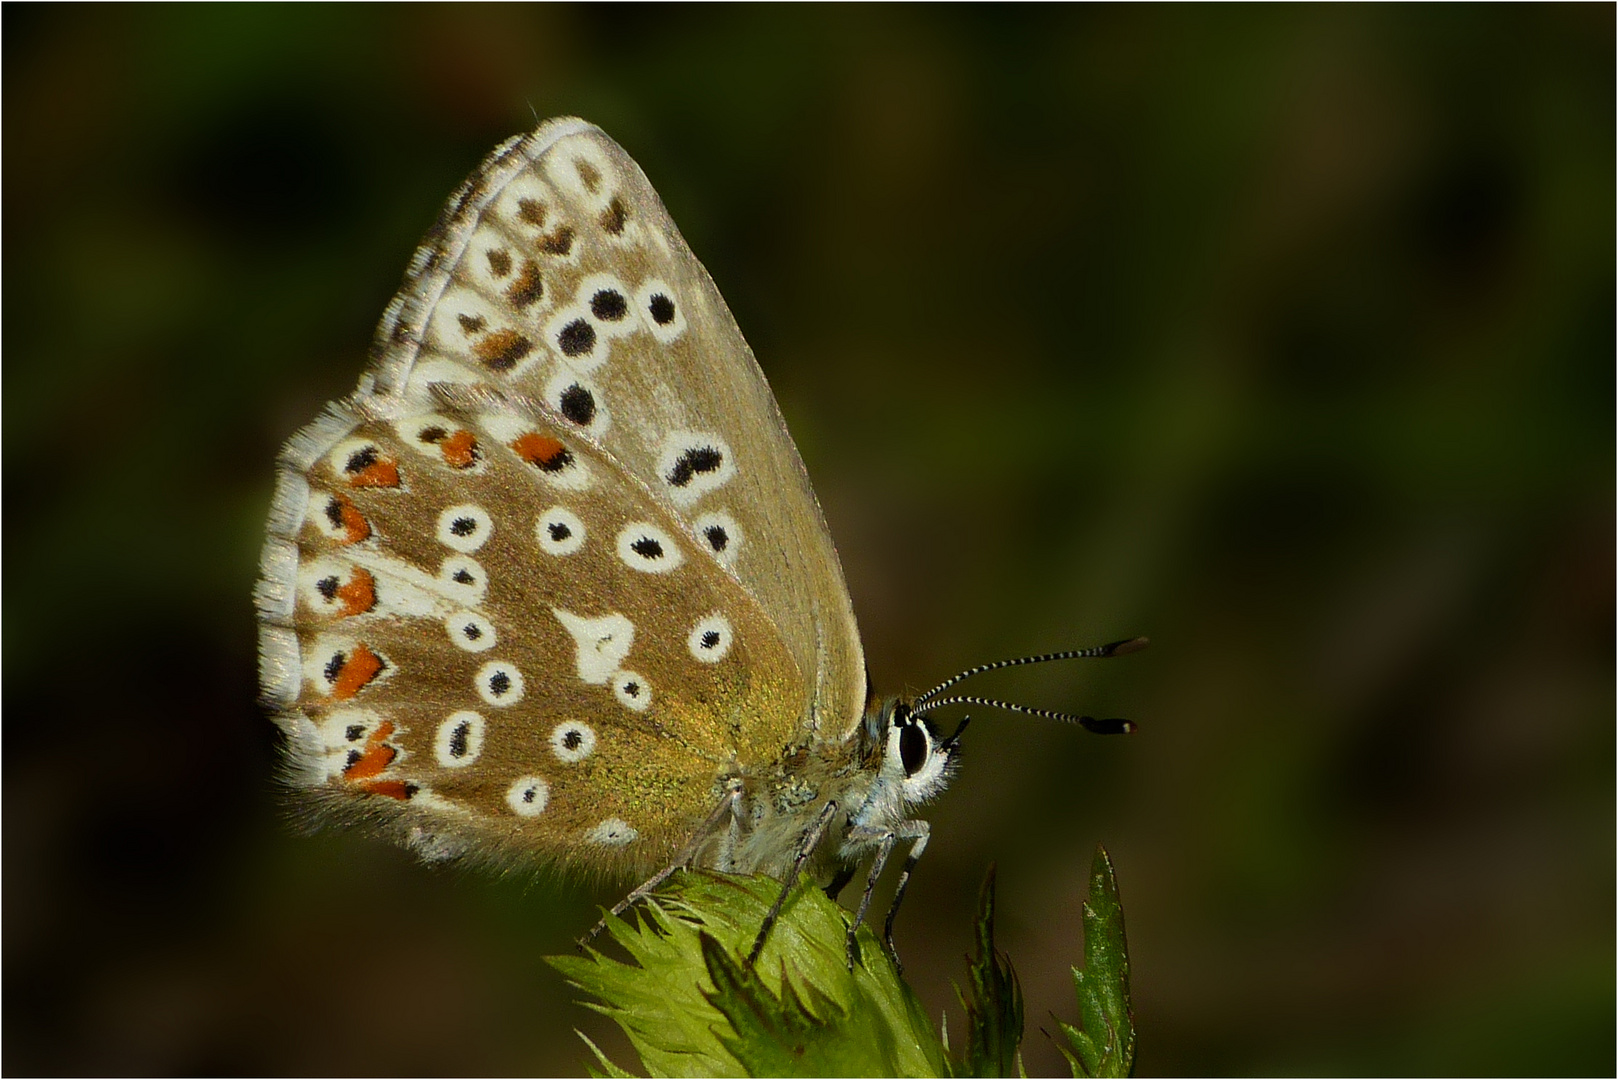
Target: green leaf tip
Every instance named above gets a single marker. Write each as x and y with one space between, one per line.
994 1010
691 1006
1104 1042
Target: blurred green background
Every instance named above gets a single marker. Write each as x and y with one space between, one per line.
1283 335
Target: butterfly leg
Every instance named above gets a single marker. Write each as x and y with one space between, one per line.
885 840
806 847
918 832
681 860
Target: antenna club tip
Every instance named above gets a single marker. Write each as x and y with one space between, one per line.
1123 648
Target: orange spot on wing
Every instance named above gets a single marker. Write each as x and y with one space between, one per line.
538 449
361 667
378 754
382 472
393 789
503 349
355 527
460 449
359 595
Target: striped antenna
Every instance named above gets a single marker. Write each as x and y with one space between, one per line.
1097 652
1089 723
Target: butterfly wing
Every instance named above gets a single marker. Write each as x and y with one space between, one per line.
484 633
556 273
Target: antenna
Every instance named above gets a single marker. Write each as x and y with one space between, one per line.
1089 723
1097 652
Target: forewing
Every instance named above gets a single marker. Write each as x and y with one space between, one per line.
482 632
556 273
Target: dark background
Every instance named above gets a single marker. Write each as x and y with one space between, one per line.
1283 335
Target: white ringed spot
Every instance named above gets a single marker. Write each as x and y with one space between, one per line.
614 832
718 532
632 691
339 519
470 631
465 528
601 643
579 167
463 579
661 311
578 400
459 740
343 729
610 304
559 531
693 463
341 667
645 547
362 463
499 683
551 458
710 639
528 795
573 335
330 587
443 440
573 741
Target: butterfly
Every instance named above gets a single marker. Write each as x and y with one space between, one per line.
551 586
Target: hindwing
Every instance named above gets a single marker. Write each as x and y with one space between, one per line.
478 624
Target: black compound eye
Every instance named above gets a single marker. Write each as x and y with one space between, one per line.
913 748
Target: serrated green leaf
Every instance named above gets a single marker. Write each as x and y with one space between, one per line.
691 1007
1104 1042
612 1071
994 1012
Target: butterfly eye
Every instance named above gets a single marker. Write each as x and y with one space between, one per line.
459 740
913 748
